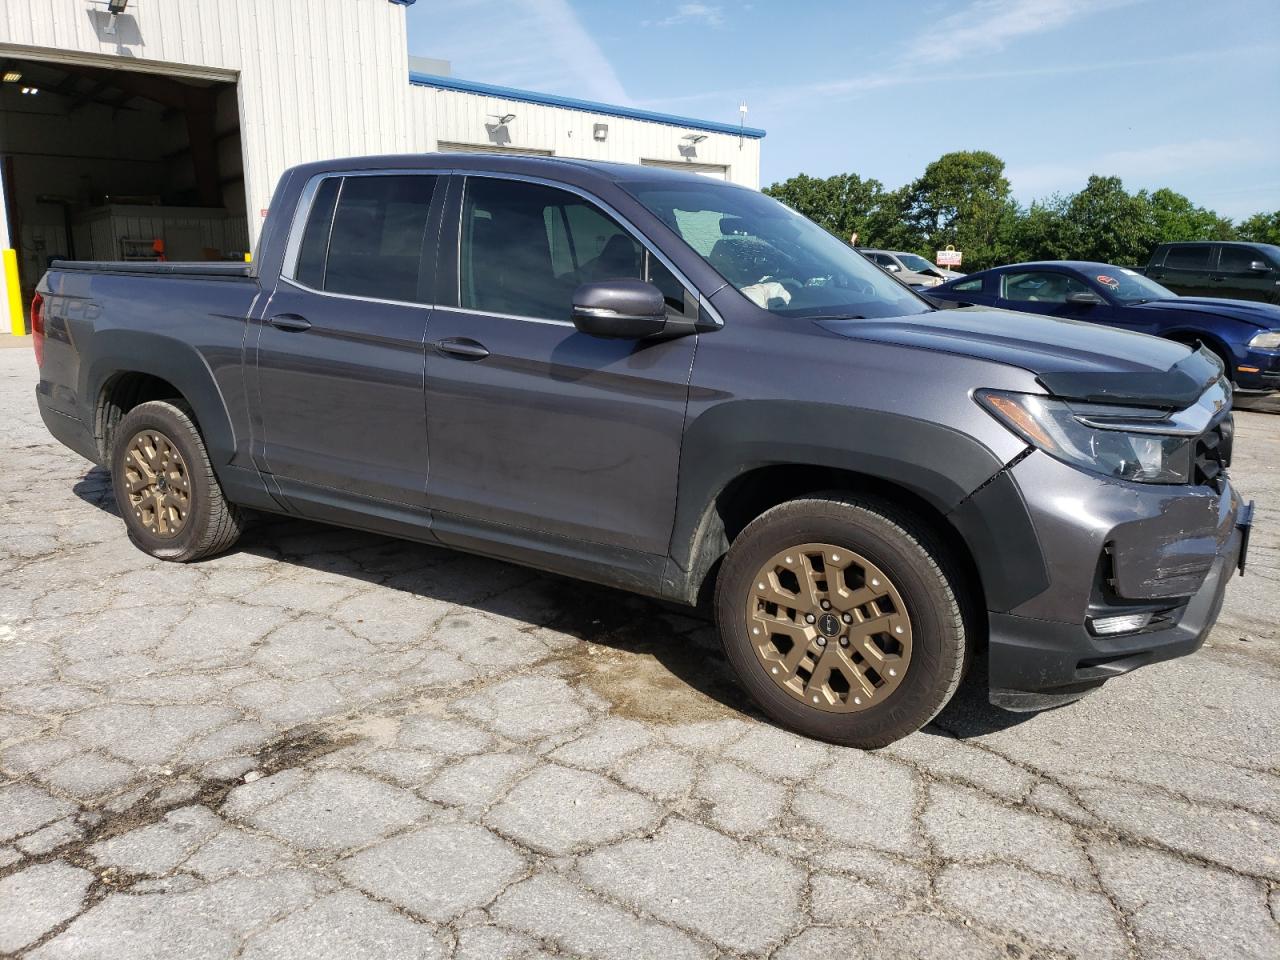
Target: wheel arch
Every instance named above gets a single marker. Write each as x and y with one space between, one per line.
132 367
748 459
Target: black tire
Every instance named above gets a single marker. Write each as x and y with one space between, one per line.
212 524
917 563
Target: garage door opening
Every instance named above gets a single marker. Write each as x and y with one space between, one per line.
105 164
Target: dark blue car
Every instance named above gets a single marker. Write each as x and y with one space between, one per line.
1244 334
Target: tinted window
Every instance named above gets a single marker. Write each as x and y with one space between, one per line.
969 286
1041 287
1238 259
315 238
526 247
376 244
1194 257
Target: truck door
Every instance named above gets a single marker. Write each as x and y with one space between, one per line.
1237 275
339 372
541 431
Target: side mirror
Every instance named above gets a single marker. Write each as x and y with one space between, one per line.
1084 298
619 309
893 268
1259 267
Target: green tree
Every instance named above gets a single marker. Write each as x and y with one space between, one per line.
842 204
962 198
1174 217
889 228
1105 222
1261 228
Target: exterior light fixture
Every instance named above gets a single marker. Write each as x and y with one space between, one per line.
695 137
31 91
600 131
116 7
504 119
12 76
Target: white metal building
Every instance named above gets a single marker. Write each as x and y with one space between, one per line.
160 129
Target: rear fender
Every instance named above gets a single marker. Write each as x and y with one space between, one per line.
180 364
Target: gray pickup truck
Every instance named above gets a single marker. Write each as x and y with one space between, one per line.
680 388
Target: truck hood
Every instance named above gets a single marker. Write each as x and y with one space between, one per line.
1071 359
1263 315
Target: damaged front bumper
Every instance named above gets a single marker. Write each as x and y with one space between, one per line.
1162 554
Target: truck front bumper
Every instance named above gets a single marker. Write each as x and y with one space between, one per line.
1113 548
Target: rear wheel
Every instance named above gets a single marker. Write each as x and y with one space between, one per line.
171 502
842 618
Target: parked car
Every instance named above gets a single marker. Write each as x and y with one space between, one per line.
1247 271
1242 334
675 387
911 268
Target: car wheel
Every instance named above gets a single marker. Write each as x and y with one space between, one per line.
842 618
172 504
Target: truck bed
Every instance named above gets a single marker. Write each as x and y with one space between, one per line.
209 270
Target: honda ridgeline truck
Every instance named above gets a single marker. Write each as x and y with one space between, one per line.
680 388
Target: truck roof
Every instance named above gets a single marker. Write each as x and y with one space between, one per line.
571 170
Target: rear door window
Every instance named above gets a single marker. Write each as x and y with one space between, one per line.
1191 257
376 244
365 237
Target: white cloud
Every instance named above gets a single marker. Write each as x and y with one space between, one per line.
534 44
985 26
712 16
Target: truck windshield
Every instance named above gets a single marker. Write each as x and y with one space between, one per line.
774 256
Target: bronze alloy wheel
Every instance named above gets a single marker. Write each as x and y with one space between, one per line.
158 484
829 627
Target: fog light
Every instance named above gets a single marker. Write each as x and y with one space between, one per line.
1129 623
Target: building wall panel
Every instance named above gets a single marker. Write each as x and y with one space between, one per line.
315 79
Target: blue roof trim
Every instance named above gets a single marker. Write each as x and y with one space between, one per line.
405 3
571 103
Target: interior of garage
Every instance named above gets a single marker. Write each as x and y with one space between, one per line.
106 164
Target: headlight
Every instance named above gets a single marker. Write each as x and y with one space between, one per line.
1267 340
1056 428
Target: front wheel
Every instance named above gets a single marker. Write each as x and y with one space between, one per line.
172 503
842 618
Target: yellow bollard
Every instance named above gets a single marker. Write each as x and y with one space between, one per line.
17 322
248 258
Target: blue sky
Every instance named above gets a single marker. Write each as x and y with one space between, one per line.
1178 93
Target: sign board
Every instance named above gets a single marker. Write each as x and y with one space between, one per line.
948 258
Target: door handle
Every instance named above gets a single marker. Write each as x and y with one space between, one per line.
290 321
464 348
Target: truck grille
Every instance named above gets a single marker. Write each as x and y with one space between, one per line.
1213 454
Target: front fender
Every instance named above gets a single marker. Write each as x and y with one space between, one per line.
936 463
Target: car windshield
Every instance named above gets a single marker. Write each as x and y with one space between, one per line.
1129 286
917 263
778 259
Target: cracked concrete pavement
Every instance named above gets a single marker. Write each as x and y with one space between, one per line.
332 744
